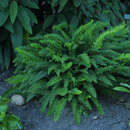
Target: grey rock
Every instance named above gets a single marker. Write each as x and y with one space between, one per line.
95 117
17 100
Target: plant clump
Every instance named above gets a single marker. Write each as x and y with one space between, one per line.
73 67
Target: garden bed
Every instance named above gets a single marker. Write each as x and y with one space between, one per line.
116 117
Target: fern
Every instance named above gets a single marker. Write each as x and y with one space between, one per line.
62 68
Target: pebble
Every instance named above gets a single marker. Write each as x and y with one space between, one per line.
95 117
17 100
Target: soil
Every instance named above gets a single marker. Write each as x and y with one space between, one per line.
116 117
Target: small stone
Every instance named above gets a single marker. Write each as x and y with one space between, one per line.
122 100
17 100
95 117
127 106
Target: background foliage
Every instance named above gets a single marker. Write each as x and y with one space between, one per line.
77 12
16 18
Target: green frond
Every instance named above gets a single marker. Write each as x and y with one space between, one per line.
54 36
109 34
124 57
60 105
81 30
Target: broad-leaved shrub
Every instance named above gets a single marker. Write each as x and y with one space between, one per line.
77 12
15 17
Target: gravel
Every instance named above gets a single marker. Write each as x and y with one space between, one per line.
116 115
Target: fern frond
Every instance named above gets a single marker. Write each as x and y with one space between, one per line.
124 57
60 105
54 36
81 30
108 34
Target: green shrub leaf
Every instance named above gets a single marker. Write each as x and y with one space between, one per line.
7 54
24 19
3 107
33 18
60 105
62 91
85 60
62 5
91 90
98 105
4 3
1 58
53 81
76 112
17 36
30 4
48 21
75 91
3 17
76 3
122 89
8 25
13 11
125 85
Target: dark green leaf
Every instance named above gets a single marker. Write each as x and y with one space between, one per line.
30 4
98 105
13 11
8 25
7 54
24 19
76 3
85 60
3 107
44 101
76 111
122 89
62 5
13 122
3 17
91 90
48 21
53 81
58 108
33 18
3 35
61 19
1 58
62 91
75 91
17 36
54 3
4 3
125 85
74 22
